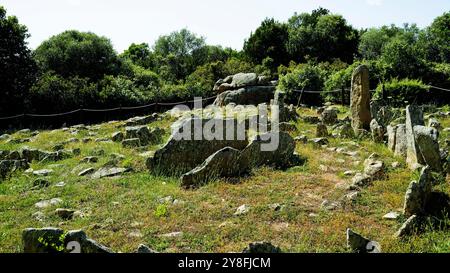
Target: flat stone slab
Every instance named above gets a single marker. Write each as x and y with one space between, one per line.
109 172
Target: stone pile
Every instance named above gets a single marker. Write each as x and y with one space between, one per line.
244 89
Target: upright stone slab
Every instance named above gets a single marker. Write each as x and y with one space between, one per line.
414 116
400 140
427 141
391 132
360 99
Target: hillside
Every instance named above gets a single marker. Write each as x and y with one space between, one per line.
302 209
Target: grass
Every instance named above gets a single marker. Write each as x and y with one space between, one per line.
117 208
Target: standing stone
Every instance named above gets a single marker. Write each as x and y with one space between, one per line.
377 131
427 141
321 130
360 99
414 116
329 116
418 194
400 141
391 132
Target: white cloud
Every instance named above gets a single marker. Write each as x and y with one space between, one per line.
374 2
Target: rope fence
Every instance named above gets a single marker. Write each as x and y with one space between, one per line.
23 116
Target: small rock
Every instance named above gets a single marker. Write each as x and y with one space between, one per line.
39 216
60 184
142 249
86 172
173 234
41 183
47 203
242 210
43 172
360 244
89 159
65 214
261 248
391 215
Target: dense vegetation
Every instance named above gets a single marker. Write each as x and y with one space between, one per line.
315 51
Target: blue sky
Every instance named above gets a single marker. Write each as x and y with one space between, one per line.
226 23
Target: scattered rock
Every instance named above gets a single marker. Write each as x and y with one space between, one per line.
86 172
117 137
360 244
131 143
145 249
244 209
173 234
391 215
65 214
374 168
43 172
137 121
302 139
47 203
53 240
41 183
261 248
89 159
109 172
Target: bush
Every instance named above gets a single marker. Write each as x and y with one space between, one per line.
404 92
121 91
303 76
53 93
343 78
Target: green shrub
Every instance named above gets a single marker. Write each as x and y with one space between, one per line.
53 93
404 92
121 91
343 78
303 76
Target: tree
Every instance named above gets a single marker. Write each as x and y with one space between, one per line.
17 68
401 55
140 54
174 54
438 39
372 41
74 53
321 36
269 40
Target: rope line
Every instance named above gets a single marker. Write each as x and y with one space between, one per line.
177 103
439 88
105 110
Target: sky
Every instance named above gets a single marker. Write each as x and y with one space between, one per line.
221 22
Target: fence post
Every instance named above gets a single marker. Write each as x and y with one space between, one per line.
343 96
384 92
300 97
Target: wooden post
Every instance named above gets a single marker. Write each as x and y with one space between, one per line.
300 97
384 92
